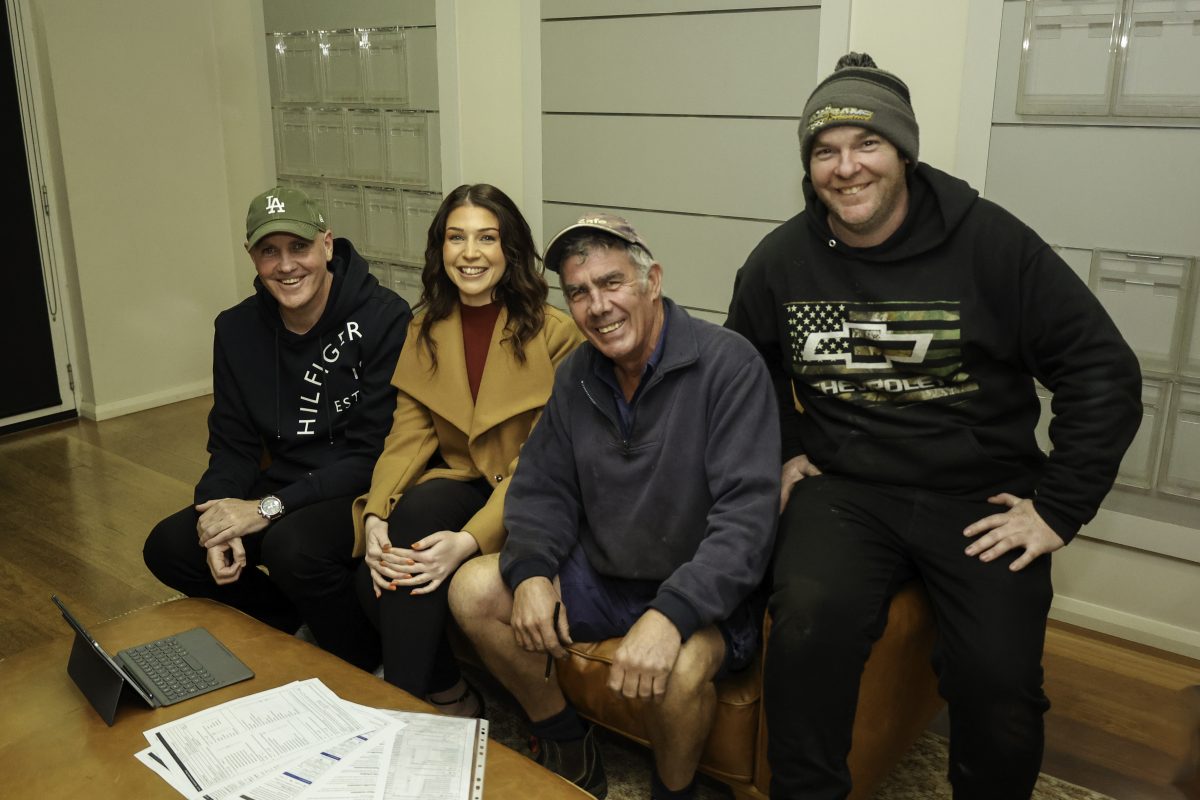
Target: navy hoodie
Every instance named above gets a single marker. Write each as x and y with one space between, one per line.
317 404
911 363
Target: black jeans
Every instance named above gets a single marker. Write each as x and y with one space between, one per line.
843 550
307 552
416 652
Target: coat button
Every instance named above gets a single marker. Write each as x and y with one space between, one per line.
499 478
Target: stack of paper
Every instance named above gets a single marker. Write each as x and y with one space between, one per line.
303 741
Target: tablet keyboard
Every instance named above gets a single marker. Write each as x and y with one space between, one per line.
170 668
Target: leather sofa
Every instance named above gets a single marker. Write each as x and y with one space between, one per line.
897 699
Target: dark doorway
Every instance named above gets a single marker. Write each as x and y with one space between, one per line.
30 375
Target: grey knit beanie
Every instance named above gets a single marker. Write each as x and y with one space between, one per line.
859 93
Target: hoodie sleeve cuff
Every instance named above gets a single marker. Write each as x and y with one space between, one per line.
676 609
1065 528
293 497
520 571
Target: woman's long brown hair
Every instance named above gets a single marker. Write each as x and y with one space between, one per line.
521 289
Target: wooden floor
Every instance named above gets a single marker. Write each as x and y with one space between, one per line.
78 498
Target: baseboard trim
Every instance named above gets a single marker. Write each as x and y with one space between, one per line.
1142 630
102 411
35 422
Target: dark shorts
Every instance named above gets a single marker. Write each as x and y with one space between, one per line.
601 608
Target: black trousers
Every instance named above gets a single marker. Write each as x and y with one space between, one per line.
843 550
412 628
307 552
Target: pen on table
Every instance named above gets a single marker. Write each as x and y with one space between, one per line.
549 655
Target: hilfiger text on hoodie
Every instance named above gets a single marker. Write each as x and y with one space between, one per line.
315 375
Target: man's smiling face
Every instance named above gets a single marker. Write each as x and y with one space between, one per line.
294 271
616 311
860 177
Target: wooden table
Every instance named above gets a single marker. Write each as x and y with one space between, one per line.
54 745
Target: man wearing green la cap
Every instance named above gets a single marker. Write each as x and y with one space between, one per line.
285 217
301 370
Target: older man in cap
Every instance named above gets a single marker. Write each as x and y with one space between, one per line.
644 506
301 379
904 319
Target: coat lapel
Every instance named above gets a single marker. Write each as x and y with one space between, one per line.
446 391
508 387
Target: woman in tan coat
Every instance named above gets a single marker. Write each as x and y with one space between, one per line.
471 381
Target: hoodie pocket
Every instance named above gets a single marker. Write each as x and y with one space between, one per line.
952 461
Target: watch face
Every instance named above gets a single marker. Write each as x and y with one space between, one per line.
270 506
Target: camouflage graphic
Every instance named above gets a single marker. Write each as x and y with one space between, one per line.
870 353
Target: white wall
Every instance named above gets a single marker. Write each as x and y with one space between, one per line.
945 53
925 48
159 129
491 94
245 114
489 66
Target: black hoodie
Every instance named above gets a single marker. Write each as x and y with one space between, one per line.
319 404
912 362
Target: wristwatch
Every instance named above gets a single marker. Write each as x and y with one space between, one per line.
270 507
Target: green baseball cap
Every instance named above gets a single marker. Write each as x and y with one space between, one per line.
283 210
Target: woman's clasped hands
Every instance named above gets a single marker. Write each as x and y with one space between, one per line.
422 567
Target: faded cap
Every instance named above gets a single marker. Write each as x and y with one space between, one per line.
596 220
283 210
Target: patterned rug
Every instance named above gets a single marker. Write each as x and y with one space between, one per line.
921 775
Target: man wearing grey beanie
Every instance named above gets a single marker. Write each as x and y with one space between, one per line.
904 319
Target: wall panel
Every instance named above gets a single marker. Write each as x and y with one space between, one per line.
682 116
1119 188
691 64
559 9
308 15
422 68
746 168
699 254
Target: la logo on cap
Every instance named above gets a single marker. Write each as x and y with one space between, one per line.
275 205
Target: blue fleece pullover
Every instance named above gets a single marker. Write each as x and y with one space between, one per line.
690 498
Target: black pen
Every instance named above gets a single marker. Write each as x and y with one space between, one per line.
549 655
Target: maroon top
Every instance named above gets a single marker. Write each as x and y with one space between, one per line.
478 322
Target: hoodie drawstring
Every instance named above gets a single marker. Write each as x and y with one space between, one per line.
325 393
277 435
